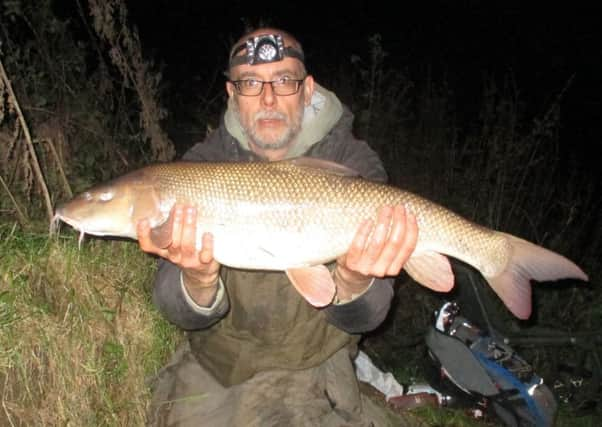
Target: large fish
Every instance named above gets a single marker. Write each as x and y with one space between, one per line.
296 215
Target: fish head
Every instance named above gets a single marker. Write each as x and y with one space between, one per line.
115 207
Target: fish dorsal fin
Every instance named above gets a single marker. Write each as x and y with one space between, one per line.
323 166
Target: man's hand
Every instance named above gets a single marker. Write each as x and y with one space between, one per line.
200 270
378 249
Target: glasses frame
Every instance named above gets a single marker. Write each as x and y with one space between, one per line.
236 84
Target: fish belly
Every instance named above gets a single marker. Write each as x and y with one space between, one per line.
260 248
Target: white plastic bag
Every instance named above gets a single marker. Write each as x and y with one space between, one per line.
383 382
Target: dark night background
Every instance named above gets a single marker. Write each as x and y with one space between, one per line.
542 45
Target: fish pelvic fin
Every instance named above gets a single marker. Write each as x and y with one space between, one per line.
529 261
431 269
314 283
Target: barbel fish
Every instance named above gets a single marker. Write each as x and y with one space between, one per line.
297 215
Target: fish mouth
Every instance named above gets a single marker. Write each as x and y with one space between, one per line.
82 227
56 222
78 225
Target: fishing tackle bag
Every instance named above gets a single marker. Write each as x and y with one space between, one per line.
487 372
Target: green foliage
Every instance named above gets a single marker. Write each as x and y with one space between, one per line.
114 365
78 332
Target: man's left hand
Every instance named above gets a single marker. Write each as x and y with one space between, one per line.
378 249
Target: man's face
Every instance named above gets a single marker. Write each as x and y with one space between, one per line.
270 121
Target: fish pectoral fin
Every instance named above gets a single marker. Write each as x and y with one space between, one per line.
161 236
431 269
314 283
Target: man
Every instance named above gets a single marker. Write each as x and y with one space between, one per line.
258 353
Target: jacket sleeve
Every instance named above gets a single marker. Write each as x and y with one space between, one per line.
365 312
169 295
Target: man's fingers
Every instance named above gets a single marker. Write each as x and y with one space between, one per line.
206 254
143 234
178 217
408 244
183 248
378 239
188 234
383 265
356 250
382 249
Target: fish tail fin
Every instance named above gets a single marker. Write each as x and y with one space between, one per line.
529 262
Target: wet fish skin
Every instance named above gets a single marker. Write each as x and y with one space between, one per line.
295 214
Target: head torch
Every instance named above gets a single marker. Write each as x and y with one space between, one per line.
263 49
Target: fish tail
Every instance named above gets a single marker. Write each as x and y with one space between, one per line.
529 262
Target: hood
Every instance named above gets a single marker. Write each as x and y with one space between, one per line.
319 117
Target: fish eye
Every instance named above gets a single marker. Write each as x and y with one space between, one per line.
106 196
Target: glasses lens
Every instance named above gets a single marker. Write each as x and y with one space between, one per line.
249 87
285 87
281 87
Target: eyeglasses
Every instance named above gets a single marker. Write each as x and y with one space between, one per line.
283 86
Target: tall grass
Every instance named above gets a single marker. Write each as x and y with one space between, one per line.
78 333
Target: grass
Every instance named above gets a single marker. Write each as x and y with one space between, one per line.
78 333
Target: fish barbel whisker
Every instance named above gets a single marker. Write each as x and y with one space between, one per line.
55 225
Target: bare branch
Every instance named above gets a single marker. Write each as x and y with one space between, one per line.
32 153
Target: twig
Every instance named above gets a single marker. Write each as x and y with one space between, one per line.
32 152
20 216
67 187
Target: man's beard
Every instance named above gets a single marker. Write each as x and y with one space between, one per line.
292 129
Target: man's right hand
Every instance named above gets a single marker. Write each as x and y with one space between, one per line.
200 271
